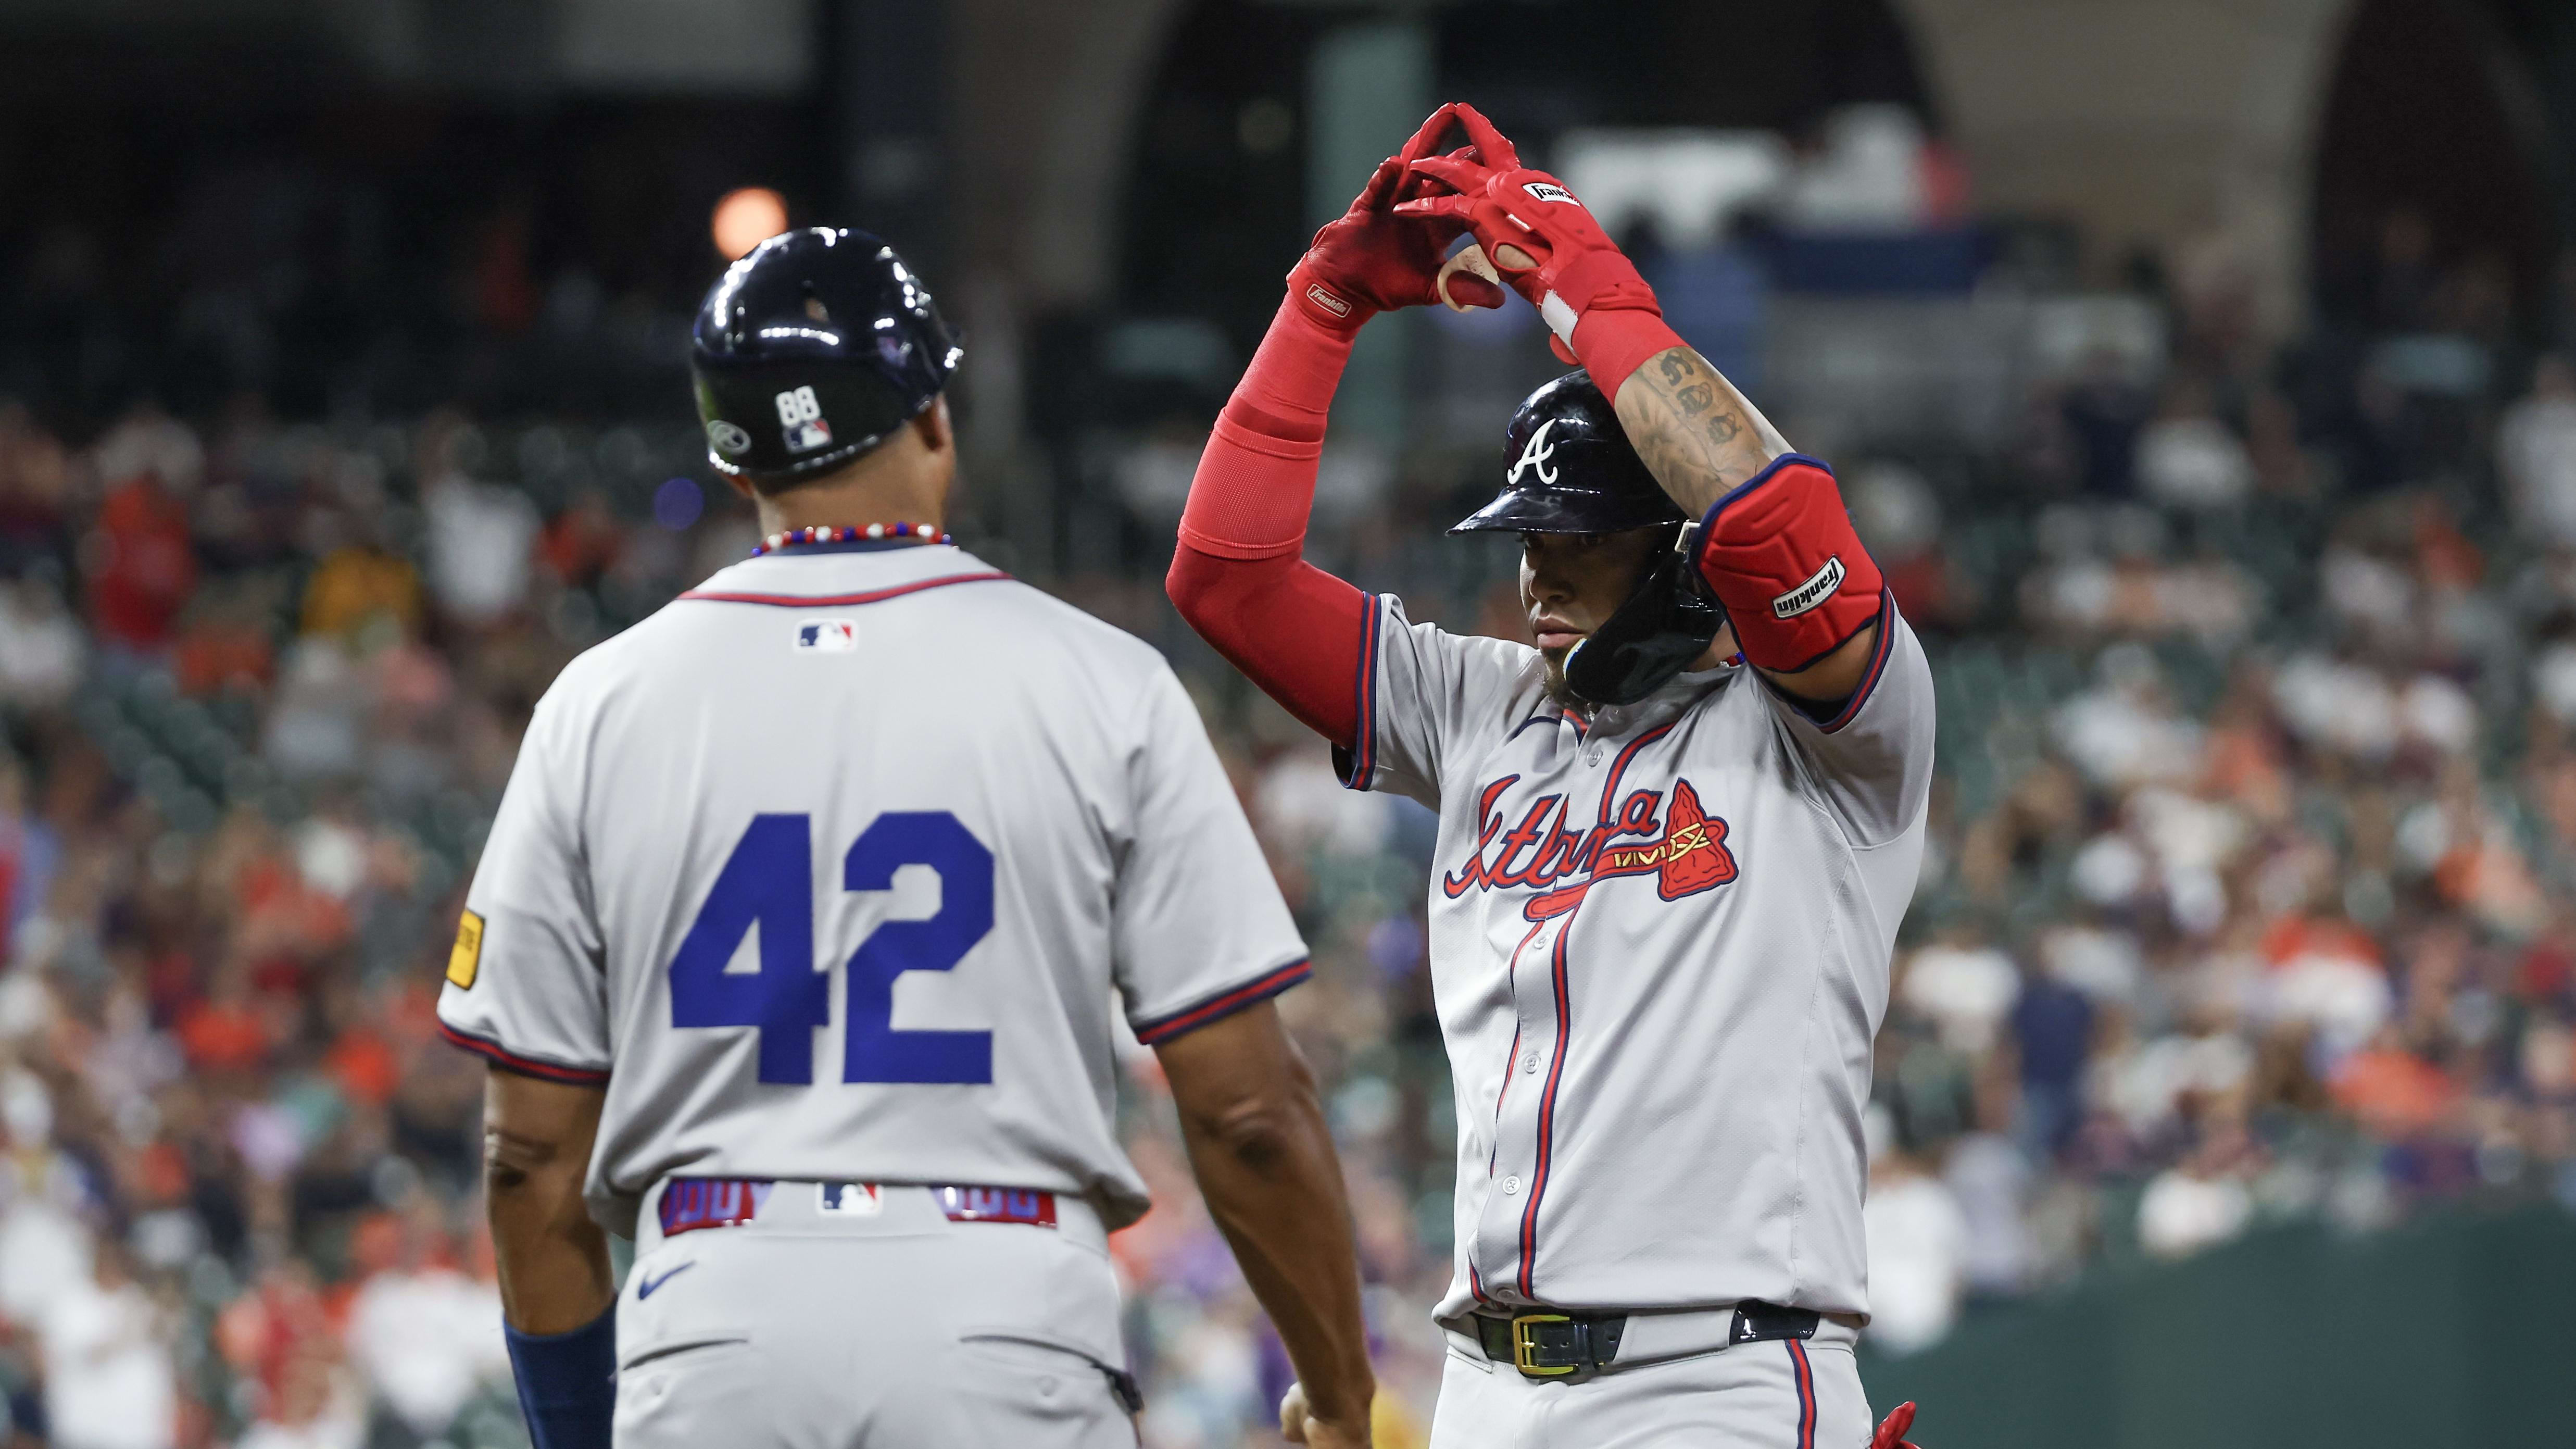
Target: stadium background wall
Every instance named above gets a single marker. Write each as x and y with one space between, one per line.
2451 1332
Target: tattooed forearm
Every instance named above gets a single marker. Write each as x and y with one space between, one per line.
1696 433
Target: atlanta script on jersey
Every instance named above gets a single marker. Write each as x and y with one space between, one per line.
1659 949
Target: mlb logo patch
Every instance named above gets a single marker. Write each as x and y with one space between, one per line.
848 1199
800 421
827 636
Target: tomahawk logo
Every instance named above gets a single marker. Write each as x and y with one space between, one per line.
1534 454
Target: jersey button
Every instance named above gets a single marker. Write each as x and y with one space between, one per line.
1529 1063
1512 1186
1592 757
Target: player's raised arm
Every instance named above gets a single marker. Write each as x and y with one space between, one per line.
1237 576
556 1287
1802 594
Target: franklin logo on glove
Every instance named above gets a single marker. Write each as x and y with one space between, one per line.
1546 191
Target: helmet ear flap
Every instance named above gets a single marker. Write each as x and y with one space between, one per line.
1666 622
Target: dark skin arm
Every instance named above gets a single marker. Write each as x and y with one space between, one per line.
536 1149
1700 438
1264 1159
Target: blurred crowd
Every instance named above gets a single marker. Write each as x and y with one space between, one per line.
2247 895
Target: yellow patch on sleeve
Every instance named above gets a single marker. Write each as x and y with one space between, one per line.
467 958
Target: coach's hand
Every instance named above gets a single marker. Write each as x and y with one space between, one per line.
1299 1426
1536 234
1368 260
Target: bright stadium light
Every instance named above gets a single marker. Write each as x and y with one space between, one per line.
746 218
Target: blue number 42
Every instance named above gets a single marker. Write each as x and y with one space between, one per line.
769 880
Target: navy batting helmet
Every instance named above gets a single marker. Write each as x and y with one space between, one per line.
812 350
1573 470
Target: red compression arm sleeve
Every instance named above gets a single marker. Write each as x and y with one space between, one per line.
1237 577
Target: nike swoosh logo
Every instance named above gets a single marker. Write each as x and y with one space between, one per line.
646 1288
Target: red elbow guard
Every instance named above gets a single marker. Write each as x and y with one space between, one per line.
1780 554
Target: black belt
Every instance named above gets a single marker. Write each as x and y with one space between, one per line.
1544 1344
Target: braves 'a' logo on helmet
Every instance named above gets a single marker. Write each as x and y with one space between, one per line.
1534 454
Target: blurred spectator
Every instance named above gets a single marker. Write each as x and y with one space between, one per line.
138 556
109 1383
583 541
2103 411
35 486
1964 986
1918 1245
423 1335
2202 1201
2187 458
2536 451
480 537
42 649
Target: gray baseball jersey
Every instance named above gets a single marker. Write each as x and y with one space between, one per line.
1659 949
826 871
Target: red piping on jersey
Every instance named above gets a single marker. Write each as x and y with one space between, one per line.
1364 690
1546 1114
1224 1004
508 1060
1806 1393
840 601
1564 1024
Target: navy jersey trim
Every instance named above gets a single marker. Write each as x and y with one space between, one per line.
1224 1004
839 601
1829 716
526 1066
1361 763
1770 470
1878 656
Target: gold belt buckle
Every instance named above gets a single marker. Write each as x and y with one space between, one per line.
1525 1347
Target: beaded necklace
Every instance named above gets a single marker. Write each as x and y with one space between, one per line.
850 534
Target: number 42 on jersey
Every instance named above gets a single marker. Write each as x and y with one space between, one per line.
768 880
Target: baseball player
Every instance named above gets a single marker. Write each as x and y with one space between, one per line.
1667 882
792 952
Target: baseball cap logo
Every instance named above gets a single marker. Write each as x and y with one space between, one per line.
728 439
1534 455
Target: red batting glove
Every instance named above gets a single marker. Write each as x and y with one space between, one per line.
1891 1434
1550 250
1370 260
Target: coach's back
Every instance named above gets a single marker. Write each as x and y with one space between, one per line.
826 871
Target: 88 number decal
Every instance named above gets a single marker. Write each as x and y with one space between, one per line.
769 880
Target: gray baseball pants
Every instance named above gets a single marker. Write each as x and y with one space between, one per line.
893 1329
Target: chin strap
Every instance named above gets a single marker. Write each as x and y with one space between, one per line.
1666 622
